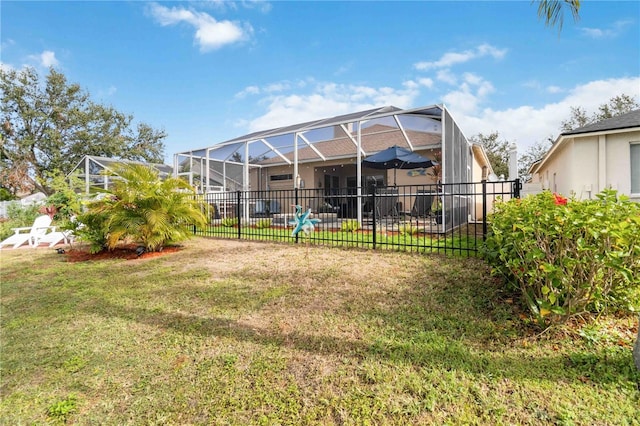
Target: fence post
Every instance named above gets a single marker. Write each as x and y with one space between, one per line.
484 209
516 188
373 201
238 210
195 230
295 197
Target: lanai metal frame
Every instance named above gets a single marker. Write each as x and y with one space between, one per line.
455 149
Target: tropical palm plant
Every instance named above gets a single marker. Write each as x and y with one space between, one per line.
552 11
145 209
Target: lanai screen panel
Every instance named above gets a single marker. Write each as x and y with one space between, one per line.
457 171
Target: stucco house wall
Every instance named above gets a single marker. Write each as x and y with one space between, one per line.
618 161
584 162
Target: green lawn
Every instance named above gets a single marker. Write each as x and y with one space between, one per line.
236 332
460 242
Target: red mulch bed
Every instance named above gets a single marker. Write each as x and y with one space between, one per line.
124 252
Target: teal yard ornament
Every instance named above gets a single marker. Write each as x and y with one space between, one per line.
302 222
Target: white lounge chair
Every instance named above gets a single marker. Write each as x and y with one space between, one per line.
53 238
29 234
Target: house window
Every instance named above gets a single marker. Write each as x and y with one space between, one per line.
635 168
281 177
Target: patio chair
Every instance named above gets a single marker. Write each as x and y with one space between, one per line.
387 202
29 234
53 238
422 204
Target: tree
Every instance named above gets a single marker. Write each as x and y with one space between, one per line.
142 208
617 105
237 157
552 11
534 153
579 118
50 125
497 151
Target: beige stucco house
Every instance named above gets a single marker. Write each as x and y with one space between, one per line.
587 160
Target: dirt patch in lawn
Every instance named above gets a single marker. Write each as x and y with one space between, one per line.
129 252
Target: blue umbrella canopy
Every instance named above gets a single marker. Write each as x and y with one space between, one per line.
397 157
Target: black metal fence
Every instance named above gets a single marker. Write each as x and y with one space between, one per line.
445 218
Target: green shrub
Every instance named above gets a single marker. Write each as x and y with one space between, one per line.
407 229
351 225
23 215
18 216
66 198
263 223
229 222
94 229
6 195
144 209
566 257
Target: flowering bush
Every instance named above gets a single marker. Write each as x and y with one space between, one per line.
565 256
559 199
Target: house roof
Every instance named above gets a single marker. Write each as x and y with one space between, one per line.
374 138
629 120
480 154
623 121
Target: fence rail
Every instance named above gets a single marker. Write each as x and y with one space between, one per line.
446 218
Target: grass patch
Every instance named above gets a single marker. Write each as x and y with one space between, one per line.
235 332
404 238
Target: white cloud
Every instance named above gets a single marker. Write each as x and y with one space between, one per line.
537 86
526 124
277 87
426 82
416 84
262 6
7 43
269 88
454 58
327 99
249 90
108 92
469 95
209 34
446 76
614 30
344 68
532 84
45 59
224 5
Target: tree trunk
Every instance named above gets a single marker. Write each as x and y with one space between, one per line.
636 348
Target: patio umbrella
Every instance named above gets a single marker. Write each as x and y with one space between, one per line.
397 157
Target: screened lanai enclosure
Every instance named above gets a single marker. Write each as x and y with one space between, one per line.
96 172
318 165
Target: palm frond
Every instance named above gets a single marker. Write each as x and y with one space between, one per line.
552 11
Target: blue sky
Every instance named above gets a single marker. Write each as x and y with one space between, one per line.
210 71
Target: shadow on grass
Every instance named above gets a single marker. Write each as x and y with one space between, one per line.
426 349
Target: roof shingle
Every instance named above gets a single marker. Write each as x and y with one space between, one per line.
623 121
